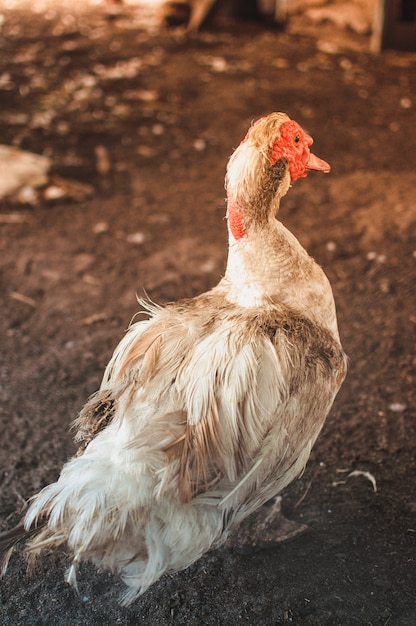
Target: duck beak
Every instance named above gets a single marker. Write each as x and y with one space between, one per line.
317 164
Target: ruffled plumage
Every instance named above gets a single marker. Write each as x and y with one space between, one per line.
207 409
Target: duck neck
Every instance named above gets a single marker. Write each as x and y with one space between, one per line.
261 256
267 265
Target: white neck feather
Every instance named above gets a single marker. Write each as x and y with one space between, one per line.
270 265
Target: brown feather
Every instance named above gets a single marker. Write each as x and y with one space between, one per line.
201 458
10 538
94 417
146 347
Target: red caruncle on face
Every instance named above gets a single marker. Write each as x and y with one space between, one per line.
293 145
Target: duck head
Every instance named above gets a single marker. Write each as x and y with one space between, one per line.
274 153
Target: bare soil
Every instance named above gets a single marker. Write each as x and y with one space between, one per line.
168 109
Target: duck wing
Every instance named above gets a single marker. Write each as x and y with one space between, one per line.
215 387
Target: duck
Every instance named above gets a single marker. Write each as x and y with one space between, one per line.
210 406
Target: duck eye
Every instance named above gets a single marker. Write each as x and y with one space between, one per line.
297 139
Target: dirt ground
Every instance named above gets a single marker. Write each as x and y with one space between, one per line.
148 119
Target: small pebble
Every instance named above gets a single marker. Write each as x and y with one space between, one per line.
158 129
405 103
100 227
137 238
53 192
218 64
397 407
200 145
208 266
374 256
